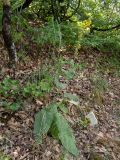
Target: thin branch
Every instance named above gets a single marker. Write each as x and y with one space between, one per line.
105 29
68 17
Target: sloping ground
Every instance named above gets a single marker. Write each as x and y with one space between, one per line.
94 143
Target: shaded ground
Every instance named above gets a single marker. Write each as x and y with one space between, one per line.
94 143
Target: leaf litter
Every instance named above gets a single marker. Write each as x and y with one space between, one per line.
101 142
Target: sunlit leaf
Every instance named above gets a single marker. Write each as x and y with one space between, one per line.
66 134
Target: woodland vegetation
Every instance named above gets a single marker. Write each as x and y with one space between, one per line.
59 79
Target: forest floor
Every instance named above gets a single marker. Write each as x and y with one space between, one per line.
100 142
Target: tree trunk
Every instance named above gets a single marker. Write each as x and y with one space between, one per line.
6 32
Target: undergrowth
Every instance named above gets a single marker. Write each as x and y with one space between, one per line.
38 85
109 64
108 42
65 36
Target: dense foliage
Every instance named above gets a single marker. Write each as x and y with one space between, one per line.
64 23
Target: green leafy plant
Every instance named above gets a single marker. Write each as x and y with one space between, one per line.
108 43
48 34
49 119
38 89
59 84
65 35
14 106
9 90
62 107
9 87
68 73
72 98
32 89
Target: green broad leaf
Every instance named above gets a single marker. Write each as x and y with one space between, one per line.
54 131
59 84
71 97
63 108
66 135
43 121
14 106
45 86
76 103
69 74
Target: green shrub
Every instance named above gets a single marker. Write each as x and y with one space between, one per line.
9 87
10 94
65 34
37 89
105 42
